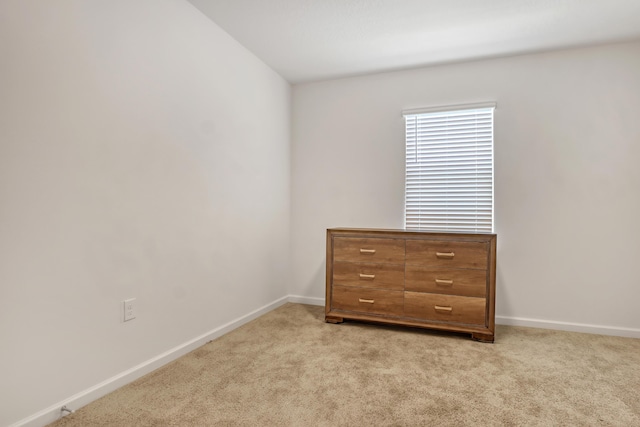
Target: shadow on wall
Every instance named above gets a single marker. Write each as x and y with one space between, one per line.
502 293
316 287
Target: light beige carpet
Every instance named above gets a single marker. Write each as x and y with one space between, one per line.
289 368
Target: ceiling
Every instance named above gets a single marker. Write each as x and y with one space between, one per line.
308 40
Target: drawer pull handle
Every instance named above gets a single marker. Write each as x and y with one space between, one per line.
445 254
368 301
441 308
367 276
367 251
442 282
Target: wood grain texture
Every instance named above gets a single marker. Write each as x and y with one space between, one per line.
445 308
364 300
369 250
471 283
367 275
465 254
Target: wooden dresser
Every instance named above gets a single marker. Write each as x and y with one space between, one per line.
440 281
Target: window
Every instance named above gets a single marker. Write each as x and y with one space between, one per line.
449 169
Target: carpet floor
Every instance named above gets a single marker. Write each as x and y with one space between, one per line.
289 368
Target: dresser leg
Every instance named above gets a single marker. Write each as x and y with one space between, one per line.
333 319
482 337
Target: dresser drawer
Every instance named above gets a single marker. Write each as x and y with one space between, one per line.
470 283
373 301
368 250
366 275
445 308
447 254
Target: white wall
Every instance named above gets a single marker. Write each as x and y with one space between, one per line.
567 181
143 153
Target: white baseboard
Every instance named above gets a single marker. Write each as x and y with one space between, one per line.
569 327
306 300
519 321
51 414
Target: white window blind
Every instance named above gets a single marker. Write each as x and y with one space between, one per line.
449 169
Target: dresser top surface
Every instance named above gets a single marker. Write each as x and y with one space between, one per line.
406 232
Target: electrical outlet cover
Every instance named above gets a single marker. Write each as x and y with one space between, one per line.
129 309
